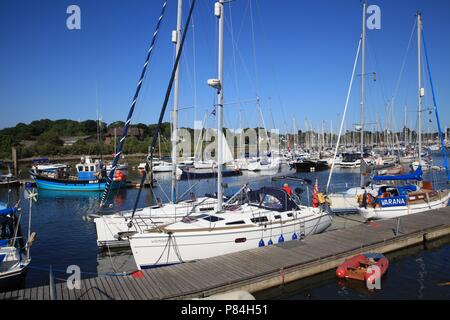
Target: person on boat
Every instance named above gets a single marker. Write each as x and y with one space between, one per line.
364 199
287 189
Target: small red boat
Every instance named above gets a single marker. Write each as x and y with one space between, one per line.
357 267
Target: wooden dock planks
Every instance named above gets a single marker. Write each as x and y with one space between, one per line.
237 269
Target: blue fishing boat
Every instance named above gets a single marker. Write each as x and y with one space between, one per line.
91 176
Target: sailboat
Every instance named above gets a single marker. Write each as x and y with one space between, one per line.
114 230
397 201
14 251
248 219
8 180
347 200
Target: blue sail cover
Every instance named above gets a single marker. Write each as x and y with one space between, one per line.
4 212
416 175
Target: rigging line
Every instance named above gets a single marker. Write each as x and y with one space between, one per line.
254 48
373 57
242 24
435 109
194 66
233 44
272 66
343 116
163 109
130 113
404 60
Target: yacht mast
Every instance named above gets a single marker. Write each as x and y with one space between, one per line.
421 90
363 51
176 35
217 84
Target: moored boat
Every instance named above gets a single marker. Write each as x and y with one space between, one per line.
359 267
91 176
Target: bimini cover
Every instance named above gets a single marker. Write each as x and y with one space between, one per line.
271 198
416 175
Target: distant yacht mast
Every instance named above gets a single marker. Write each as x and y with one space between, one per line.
363 51
421 91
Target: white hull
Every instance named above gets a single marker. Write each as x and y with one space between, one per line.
425 165
12 265
353 164
205 165
347 201
257 166
394 212
151 249
163 167
109 227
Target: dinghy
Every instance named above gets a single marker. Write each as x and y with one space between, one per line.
358 267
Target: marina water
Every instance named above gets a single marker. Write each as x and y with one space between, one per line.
65 237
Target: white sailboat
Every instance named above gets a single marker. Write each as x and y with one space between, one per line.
400 201
248 220
114 230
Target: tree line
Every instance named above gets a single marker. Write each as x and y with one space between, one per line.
45 138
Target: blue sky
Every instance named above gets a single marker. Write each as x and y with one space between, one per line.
297 56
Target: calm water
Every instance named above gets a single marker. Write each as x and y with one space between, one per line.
420 272
64 237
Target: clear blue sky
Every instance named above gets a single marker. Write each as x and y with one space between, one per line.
301 56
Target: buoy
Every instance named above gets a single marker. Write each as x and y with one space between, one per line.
137 274
281 239
294 236
270 242
261 243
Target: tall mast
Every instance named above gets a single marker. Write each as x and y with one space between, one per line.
363 51
420 91
176 35
218 84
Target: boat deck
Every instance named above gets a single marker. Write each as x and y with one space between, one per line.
257 269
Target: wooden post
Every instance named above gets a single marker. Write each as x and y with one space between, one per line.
14 159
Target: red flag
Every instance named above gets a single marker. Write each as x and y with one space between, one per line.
315 198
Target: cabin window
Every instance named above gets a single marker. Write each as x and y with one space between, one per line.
212 218
289 214
92 168
240 240
235 222
271 202
80 168
277 216
259 219
207 209
86 168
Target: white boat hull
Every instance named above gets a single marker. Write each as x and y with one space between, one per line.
395 212
110 227
151 249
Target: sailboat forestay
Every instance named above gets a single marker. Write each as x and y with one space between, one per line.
246 220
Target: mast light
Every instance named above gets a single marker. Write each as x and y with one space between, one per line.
217 9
